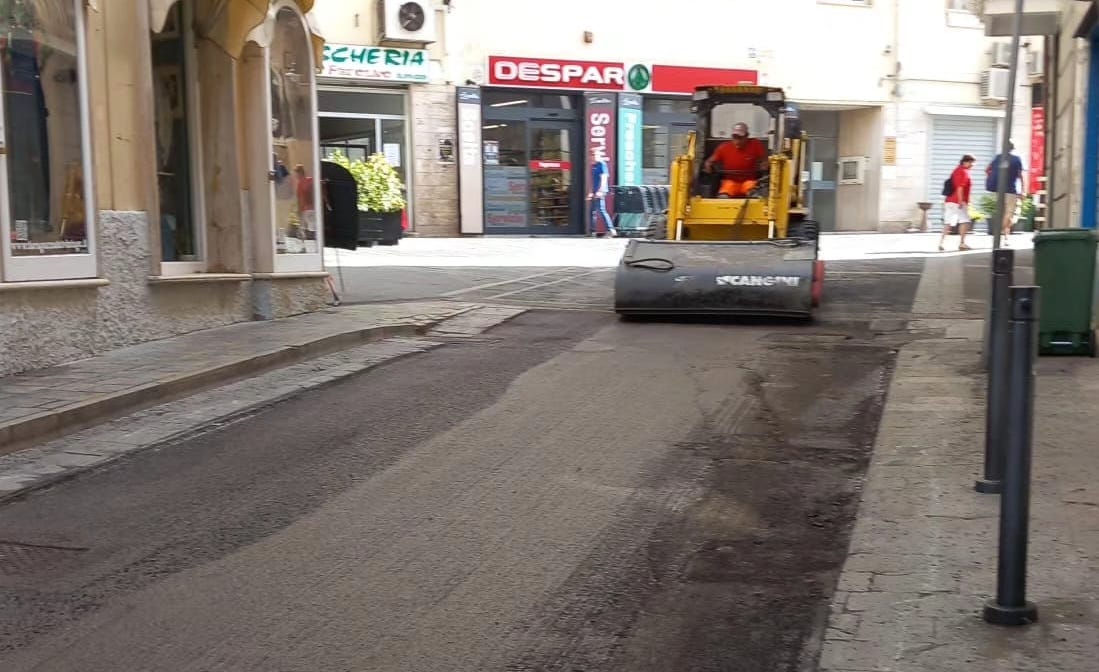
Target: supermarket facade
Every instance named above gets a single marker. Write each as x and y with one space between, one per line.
500 124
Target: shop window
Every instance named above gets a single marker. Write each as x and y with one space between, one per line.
554 101
358 102
293 146
667 106
507 180
660 144
47 216
177 124
359 136
506 99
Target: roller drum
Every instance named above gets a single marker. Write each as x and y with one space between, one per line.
759 278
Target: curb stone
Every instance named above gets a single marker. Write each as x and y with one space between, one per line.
24 432
33 469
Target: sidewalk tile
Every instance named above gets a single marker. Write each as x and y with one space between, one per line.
62 388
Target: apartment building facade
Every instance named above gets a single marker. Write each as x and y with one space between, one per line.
1068 31
893 93
157 171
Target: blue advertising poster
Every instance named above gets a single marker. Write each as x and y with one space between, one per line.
629 140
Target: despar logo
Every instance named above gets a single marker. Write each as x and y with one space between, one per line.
639 77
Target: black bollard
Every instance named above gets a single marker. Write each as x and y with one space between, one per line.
1003 268
1010 606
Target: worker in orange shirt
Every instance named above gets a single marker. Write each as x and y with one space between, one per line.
743 160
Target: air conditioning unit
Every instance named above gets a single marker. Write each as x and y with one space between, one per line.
1035 64
994 85
1001 55
406 21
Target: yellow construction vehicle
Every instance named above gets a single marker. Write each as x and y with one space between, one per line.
753 254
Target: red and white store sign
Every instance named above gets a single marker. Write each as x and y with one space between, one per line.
550 165
1037 148
546 73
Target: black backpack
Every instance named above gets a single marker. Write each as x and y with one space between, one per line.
948 186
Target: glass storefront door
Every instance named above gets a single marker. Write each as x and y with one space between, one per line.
358 123
533 177
554 187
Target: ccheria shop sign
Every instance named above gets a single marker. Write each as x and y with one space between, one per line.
387 64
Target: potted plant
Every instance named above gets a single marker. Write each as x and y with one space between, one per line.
1027 213
381 198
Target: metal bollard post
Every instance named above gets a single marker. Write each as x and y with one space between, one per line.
1003 265
1010 607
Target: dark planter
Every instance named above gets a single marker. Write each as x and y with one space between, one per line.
383 228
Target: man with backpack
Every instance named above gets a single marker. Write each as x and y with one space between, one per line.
1012 192
957 189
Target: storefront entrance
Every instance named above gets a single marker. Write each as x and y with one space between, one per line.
533 165
358 123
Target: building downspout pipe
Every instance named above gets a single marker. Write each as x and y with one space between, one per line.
1009 120
997 303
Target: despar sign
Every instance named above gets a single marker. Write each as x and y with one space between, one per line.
556 74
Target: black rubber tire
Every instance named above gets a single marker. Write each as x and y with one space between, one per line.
803 230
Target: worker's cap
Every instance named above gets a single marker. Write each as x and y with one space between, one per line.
740 130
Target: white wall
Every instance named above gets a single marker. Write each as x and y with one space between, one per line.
857 204
827 55
942 56
810 60
346 22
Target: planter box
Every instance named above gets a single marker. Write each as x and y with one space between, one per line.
383 228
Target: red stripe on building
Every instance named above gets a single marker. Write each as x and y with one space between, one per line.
680 79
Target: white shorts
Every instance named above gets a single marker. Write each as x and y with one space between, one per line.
1011 202
954 214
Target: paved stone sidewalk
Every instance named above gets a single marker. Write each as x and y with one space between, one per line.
174 421
41 403
922 559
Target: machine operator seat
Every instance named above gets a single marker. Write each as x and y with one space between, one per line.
709 183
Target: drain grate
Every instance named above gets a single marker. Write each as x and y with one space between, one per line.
18 559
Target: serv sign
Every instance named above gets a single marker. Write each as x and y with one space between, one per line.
388 64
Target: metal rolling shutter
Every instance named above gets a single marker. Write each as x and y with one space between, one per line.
952 138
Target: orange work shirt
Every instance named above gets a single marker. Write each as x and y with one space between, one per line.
745 160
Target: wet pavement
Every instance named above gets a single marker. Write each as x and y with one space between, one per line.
564 492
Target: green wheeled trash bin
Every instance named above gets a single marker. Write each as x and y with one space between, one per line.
1064 267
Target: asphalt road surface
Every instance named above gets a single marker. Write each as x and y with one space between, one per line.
567 492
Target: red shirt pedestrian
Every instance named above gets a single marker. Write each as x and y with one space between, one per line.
963 184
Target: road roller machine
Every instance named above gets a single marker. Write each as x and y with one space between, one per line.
755 255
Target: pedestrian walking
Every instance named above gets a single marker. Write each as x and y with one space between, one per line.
957 190
1013 191
600 185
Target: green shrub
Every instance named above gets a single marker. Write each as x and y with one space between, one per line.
380 186
987 206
